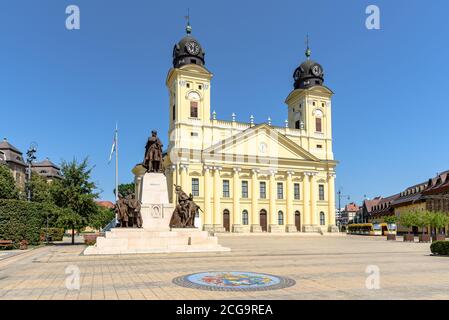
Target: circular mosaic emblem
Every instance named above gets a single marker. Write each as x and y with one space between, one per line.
233 281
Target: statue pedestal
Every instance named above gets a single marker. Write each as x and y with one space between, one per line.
155 235
153 194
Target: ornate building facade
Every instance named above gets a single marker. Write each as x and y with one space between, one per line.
250 177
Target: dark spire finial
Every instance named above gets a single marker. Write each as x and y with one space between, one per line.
188 27
308 51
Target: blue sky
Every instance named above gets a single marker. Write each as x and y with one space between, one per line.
66 89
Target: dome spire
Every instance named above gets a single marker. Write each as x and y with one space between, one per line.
188 27
308 51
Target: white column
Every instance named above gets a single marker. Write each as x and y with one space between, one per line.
331 202
208 213
306 202
218 220
184 183
290 217
254 215
313 197
236 193
272 214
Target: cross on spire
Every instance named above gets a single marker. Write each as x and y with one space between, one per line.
188 27
308 51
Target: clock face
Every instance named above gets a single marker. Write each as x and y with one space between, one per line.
193 47
316 70
296 75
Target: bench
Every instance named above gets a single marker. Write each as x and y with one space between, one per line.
6 244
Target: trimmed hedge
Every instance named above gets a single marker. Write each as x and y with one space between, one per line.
22 220
54 234
440 247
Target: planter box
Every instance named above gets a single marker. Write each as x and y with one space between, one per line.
90 239
438 237
391 237
424 238
409 238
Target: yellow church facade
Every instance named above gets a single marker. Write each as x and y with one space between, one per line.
250 177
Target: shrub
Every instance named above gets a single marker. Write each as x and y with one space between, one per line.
54 234
440 247
20 220
8 188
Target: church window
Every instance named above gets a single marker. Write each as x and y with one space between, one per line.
174 112
321 192
195 187
319 146
314 103
225 188
200 87
244 189
296 193
245 219
280 189
297 124
188 85
193 109
280 218
263 190
322 218
318 127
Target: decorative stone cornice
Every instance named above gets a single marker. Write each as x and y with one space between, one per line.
184 166
331 175
236 169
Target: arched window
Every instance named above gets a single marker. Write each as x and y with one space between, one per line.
245 217
322 218
280 218
318 120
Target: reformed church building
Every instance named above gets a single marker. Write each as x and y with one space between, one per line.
250 177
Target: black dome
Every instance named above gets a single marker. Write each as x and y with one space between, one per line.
188 51
308 74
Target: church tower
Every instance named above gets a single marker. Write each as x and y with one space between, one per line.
309 108
188 84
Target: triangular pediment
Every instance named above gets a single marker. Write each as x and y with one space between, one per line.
260 143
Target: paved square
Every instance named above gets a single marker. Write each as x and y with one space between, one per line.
324 267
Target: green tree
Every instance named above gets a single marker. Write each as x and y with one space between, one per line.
40 189
125 189
101 218
439 221
8 188
390 219
409 219
77 193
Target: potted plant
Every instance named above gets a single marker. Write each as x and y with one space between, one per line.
23 245
408 220
389 220
439 221
424 219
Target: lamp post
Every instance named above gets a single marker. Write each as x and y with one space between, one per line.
31 156
340 195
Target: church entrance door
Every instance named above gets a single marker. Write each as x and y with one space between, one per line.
263 220
226 220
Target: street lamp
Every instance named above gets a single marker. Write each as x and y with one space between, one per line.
340 195
31 156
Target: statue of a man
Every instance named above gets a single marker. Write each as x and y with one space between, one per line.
121 209
184 214
153 154
134 207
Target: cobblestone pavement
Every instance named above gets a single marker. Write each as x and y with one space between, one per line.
324 267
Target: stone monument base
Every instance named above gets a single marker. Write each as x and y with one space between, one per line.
132 241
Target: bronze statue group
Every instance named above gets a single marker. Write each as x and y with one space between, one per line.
128 208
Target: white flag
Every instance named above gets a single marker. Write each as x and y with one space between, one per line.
112 148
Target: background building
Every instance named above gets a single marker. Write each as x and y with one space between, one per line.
13 158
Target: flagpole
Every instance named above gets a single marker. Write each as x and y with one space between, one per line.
116 162
116 167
